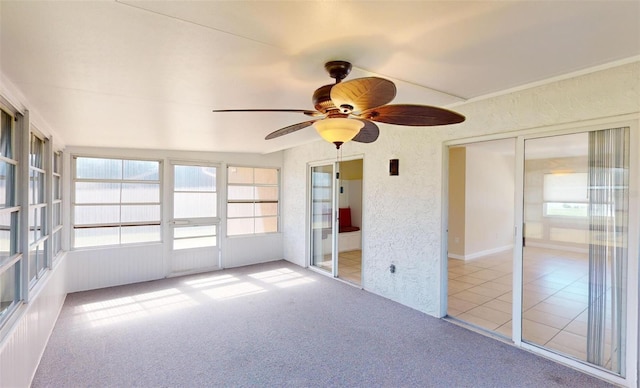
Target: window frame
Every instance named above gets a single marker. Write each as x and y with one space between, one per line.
56 228
73 203
15 259
253 201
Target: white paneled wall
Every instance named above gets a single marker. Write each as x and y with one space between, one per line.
241 250
22 347
98 268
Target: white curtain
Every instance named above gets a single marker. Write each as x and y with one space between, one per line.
608 219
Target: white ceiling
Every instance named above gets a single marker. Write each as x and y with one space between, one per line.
146 74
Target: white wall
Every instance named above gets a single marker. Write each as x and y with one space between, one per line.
402 215
110 266
489 202
30 327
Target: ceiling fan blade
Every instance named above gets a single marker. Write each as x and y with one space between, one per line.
413 115
289 129
306 112
363 93
368 134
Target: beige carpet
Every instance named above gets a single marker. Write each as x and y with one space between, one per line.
274 324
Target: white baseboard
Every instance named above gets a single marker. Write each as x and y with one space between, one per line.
479 254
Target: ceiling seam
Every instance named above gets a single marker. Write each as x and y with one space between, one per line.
199 25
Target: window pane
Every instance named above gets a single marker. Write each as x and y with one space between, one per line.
194 237
36 187
6 136
36 222
266 176
141 170
7 179
5 235
266 225
140 213
194 231
105 214
94 168
240 193
266 193
240 210
240 175
97 192
140 234
240 226
109 201
194 205
57 242
57 189
266 209
37 262
36 151
140 192
566 209
194 178
91 237
57 214
196 242
57 162
565 187
7 289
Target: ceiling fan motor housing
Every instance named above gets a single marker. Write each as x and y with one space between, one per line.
322 99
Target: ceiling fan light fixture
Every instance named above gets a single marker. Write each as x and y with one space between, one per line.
338 130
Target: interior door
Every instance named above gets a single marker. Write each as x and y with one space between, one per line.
195 220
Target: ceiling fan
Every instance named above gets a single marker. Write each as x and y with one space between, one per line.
347 110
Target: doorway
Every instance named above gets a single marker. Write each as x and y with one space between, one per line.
481 224
194 219
336 219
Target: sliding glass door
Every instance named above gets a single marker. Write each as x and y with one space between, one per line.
574 254
322 217
569 287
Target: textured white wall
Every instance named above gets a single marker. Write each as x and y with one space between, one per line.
402 214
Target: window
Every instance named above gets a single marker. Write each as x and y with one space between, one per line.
195 203
252 200
10 257
56 202
565 194
38 237
116 201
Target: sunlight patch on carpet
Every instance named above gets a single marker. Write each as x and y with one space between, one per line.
135 307
283 277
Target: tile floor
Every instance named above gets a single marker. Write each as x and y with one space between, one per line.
349 266
555 297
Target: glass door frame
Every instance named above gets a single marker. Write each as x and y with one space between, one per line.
172 223
631 357
335 203
334 218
